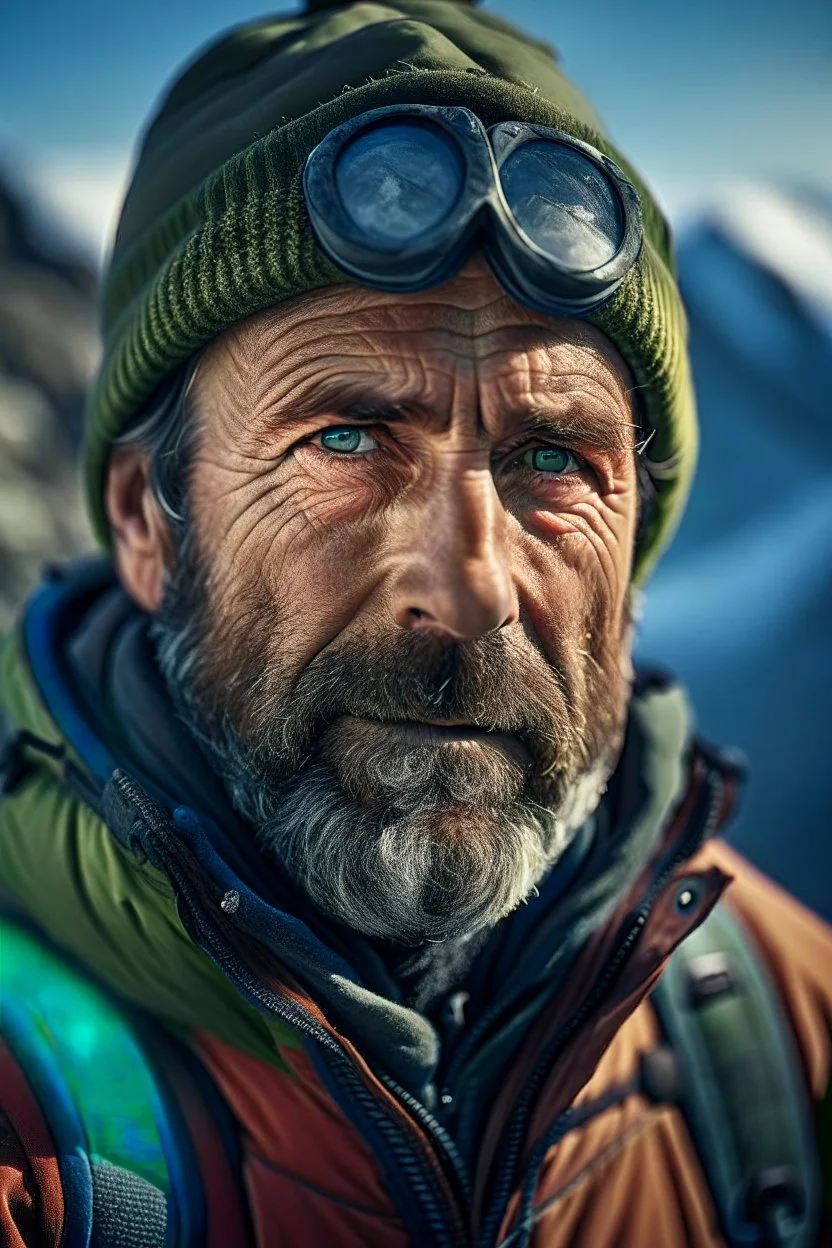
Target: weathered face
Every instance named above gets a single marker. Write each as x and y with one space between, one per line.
401 616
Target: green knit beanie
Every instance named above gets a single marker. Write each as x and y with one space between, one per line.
214 226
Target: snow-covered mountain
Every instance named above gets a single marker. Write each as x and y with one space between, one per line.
741 604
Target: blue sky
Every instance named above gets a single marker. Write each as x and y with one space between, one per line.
701 95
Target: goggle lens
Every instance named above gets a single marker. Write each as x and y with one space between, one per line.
398 181
564 204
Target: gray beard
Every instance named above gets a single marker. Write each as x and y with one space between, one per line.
414 872
446 847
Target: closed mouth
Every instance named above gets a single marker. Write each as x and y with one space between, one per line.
449 732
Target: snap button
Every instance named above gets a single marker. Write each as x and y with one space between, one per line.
231 901
687 896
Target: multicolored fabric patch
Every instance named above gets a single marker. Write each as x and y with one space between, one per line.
116 1134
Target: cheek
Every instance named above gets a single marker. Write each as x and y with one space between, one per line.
292 549
332 492
576 565
592 535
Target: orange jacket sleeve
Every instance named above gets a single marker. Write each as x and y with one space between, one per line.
31 1195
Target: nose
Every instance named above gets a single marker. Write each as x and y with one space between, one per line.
456 577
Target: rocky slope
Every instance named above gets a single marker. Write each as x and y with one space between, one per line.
48 350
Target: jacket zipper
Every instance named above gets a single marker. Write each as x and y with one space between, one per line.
504 1183
445 1230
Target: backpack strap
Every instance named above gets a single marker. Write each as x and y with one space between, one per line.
127 1167
742 1087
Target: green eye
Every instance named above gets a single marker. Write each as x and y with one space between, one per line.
346 440
552 459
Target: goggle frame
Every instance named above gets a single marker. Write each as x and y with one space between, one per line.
480 217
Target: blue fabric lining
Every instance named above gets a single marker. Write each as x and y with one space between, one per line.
42 632
186 1207
187 1216
272 926
90 1069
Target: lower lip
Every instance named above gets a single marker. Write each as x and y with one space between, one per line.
463 735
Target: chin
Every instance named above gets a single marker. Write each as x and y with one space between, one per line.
409 866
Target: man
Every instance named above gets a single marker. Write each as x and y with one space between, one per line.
341 848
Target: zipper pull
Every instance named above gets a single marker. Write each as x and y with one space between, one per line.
452 1017
446 1100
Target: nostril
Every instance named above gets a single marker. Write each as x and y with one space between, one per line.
417 615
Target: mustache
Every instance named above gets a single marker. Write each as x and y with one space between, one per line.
497 683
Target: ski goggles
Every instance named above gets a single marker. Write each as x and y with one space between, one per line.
399 197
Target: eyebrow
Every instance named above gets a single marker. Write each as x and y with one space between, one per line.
336 397
575 428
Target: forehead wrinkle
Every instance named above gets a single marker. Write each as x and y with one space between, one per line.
437 309
592 391
562 386
321 384
574 408
220 387
408 373
457 301
315 386
311 318
279 360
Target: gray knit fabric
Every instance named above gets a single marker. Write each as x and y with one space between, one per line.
128 1211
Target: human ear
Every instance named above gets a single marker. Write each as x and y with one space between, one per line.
142 547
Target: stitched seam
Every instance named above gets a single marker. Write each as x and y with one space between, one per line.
606 1154
319 1191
